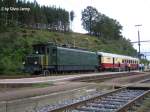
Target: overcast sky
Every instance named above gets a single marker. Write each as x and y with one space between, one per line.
127 12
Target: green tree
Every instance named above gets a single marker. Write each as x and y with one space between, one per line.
89 17
71 18
37 17
100 25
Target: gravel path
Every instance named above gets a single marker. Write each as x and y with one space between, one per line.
32 91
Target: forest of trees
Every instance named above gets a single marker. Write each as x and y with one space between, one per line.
42 17
57 19
100 25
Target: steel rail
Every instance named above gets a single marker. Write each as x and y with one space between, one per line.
80 103
131 103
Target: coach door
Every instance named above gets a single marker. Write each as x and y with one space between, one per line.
113 62
100 59
99 62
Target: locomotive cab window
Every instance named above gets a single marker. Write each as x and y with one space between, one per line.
54 51
39 49
47 50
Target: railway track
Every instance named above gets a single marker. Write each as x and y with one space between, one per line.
119 100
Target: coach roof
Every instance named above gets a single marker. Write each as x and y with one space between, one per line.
115 55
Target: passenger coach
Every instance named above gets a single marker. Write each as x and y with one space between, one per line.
115 62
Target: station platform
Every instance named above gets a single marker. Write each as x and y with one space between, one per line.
45 79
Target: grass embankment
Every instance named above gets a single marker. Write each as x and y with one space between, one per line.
16 43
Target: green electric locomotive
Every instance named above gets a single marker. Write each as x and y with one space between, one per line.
52 58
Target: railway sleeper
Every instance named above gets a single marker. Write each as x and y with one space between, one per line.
120 98
93 109
109 100
109 106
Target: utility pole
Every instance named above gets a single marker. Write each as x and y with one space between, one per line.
139 54
91 20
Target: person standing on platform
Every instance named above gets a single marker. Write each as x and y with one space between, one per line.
142 67
129 67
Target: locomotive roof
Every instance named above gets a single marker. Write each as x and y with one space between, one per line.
76 50
43 44
115 55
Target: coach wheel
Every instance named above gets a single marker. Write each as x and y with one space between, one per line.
46 72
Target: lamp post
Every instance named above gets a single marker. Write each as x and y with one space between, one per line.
139 54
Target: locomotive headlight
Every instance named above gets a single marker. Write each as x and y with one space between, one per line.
35 62
23 63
